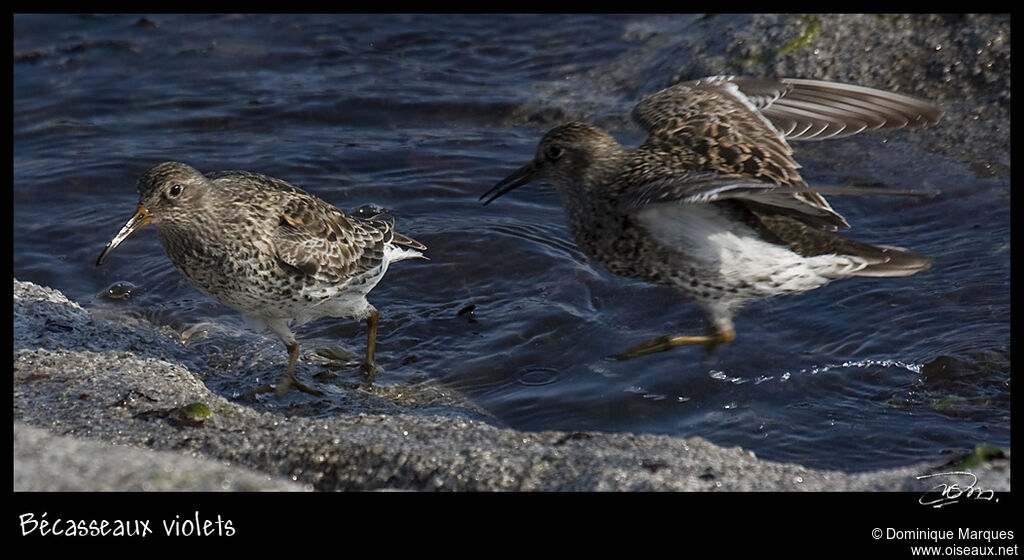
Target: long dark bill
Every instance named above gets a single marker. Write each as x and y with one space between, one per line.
137 222
517 178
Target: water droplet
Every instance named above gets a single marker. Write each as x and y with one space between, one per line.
535 376
122 290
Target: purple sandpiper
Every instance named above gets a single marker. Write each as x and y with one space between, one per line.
269 250
712 202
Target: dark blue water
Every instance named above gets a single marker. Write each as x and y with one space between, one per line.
421 114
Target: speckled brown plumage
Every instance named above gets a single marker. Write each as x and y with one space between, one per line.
712 202
268 249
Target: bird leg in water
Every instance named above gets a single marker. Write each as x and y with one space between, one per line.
289 380
369 366
670 341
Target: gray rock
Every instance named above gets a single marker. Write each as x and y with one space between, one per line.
45 462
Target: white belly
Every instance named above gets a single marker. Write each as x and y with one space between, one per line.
733 251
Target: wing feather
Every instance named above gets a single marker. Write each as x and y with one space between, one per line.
316 238
732 133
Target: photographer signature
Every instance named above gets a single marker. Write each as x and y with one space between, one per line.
944 494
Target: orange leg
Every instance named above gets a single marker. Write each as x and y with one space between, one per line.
668 342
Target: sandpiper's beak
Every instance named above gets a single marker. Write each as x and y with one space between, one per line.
140 219
517 178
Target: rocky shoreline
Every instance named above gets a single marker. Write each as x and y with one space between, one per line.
100 405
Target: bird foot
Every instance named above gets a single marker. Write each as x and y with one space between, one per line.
286 384
369 371
670 341
250 395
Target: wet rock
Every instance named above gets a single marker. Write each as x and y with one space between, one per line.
423 443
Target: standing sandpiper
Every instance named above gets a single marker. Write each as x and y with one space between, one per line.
712 202
269 250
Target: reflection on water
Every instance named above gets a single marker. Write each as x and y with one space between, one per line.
421 115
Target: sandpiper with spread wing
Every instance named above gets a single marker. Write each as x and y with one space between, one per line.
712 203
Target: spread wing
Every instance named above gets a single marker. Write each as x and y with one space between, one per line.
730 134
702 188
817 110
712 129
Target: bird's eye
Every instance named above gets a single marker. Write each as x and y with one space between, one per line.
174 191
554 152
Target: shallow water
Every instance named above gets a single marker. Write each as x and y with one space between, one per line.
422 114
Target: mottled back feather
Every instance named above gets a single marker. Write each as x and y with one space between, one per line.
314 238
317 238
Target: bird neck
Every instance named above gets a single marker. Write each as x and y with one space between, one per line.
591 214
